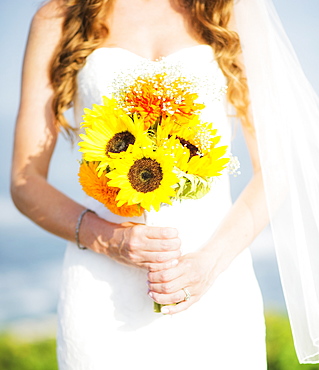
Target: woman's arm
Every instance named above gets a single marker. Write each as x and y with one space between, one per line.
197 271
35 139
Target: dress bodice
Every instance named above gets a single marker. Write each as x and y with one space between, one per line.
104 65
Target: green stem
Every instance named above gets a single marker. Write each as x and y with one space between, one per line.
157 307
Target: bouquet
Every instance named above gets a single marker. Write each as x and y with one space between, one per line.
147 145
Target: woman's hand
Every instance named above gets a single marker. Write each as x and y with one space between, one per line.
195 272
151 248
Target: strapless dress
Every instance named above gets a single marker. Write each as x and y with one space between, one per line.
106 318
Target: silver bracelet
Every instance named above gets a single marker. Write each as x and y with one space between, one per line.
77 229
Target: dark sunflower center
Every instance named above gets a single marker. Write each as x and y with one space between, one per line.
145 175
120 142
192 148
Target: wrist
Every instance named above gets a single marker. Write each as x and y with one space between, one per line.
78 225
217 256
95 233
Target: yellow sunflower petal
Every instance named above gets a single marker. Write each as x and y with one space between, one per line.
144 177
98 188
110 130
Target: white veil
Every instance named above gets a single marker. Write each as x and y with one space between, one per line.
286 116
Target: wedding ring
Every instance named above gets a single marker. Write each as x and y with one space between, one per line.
187 294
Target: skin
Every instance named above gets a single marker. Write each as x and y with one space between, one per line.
144 27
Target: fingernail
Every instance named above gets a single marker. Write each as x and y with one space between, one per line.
164 310
174 263
151 294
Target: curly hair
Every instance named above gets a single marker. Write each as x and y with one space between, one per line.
210 18
83 31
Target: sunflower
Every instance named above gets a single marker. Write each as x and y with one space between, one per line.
97 187
165 130
210 164
101 112
205 137
169 127
199 137
145 177
110 132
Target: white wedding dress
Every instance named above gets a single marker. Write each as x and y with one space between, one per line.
106 319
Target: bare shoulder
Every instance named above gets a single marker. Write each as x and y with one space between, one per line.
51 11
46 26
44 37
35 118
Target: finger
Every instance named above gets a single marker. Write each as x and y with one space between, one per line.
152 232
138 238
169 287
159 257
167 298
162 244
182 306
166 275
161 266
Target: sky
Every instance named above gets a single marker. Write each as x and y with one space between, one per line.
300 18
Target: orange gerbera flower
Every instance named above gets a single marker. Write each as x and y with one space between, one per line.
97 187
160 96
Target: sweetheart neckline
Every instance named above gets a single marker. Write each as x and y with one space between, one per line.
107 48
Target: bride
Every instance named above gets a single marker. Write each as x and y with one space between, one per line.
193 253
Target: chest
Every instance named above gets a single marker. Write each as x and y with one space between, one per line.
151 29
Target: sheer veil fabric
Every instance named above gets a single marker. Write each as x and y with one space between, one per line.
286 117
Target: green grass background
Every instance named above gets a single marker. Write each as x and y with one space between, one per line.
18 354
